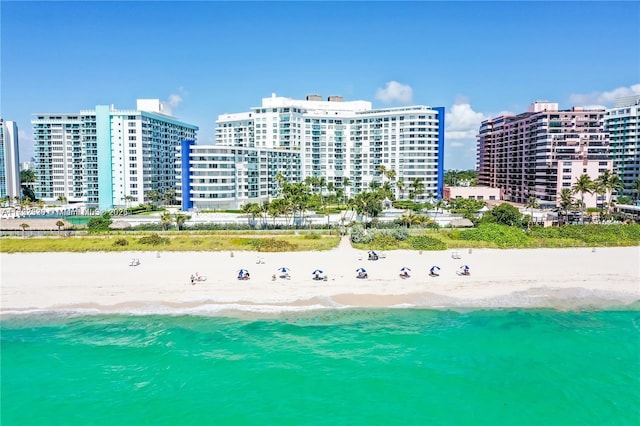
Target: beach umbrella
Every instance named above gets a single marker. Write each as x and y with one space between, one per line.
317 271
405 269
372 252
434 269
464 267
361 270
242 272
283 270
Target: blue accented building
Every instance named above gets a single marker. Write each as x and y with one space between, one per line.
349 144
108 157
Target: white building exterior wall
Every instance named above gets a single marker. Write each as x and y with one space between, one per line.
143 148
225 177
623 125
10 160
341 140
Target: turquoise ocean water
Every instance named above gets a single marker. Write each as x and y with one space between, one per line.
351 367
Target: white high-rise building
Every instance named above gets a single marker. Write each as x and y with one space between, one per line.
346 142
9 160
622 122
107 157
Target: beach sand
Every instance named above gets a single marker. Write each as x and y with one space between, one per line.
574 278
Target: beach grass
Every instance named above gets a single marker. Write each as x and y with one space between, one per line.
170 242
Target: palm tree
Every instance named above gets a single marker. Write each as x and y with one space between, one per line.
62 199
451 178
583 184
345 183
169 196
410 218
166 220
180 219
600 188
401 186
382 171
417 188
251 210
635 187
566 202
59 224
153 196
532 203
24 226
387 190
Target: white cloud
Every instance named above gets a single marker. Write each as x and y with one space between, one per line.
462 122
600 99
174 100
395 92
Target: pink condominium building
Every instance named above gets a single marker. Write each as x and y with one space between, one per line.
542 151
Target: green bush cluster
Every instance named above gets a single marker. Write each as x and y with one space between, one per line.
423 242
384 241
267 244
312 235
154 240
99 223
359 234
121 242
591 234
501 235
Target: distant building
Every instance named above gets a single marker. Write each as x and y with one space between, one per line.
107 157
345 142
542 151
9 160
622 122
483 193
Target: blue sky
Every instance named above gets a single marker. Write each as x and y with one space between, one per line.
477 59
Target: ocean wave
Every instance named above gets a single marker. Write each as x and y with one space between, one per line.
558 299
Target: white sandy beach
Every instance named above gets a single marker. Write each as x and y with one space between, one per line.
104 282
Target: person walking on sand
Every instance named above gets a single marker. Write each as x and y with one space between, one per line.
193 280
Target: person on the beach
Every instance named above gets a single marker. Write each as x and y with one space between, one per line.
193 280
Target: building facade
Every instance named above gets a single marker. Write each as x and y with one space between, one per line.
622 122
226 177
346 142
107 157
482 193
9 161
542 151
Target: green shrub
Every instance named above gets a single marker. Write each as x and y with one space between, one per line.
423 242
121 242
384 241
153 240
267 244
359 234
99 223
501 235
312 235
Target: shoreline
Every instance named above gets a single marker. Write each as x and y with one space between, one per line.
104 283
